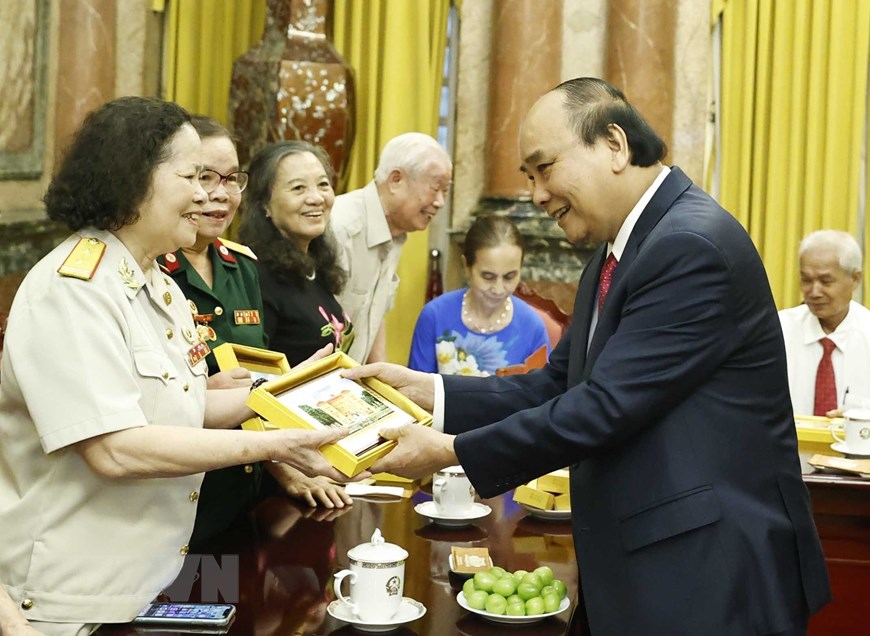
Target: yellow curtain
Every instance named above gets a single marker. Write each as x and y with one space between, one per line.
793 124
396 48
202 40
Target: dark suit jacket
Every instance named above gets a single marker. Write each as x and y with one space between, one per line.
689 512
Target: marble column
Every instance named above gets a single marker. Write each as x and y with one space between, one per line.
525 64
86 64
639 57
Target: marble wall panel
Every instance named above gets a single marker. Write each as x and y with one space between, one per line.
23 56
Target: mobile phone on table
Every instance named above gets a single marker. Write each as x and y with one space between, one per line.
188 614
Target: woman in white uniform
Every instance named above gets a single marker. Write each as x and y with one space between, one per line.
103 401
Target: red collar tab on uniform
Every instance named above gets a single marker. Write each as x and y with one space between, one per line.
223 252
172 263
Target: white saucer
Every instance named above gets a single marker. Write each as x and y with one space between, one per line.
514 620
428 510
409 610
840 447
548 515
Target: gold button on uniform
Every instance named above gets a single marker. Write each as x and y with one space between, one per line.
165 375
184 549
249 469
186 387
169 334
219 311
167 298
26 604
194 496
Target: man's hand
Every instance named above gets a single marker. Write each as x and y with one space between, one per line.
313 490
834 413
300 448
421 451
233 379
417 386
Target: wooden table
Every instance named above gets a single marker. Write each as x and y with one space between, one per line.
288 554
841 508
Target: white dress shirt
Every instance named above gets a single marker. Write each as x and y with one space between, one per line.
851 359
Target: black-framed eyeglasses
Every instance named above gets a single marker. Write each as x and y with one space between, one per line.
234 182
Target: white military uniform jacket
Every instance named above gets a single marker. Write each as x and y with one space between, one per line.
851 358
84 358
370 255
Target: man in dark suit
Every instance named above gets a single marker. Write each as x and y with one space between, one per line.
668 396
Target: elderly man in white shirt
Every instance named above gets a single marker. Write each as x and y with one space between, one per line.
827 338
370 225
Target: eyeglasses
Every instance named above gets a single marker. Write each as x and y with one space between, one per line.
234 182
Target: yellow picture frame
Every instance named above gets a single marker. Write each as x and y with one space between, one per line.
260 362
230 355
314 396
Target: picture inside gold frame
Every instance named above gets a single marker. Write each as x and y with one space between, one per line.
329 400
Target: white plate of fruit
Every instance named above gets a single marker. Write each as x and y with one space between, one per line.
514 597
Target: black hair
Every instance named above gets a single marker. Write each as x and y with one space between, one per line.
280 255
107 170
593 104
490 230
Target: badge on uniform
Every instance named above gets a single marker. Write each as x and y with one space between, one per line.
196 353
247 316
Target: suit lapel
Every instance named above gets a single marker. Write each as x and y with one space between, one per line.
583 304
670 190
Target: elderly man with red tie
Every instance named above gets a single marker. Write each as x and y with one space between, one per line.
827 338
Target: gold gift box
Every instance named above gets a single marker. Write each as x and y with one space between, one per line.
260 362
311 397
814 434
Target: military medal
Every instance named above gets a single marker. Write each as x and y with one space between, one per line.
196 353
187 332
246 316
206 333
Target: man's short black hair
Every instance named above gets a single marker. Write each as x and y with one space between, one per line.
593 104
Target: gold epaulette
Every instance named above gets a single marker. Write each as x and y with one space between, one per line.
238 247
84 259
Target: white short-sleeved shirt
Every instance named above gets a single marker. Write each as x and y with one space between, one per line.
83 358
851 359
370 255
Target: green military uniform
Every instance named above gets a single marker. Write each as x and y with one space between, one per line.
233 310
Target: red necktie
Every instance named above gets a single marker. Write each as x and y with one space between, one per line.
604 279
826 385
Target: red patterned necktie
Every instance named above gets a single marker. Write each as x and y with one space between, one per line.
604 279
826 384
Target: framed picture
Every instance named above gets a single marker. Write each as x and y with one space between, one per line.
316 396
262 363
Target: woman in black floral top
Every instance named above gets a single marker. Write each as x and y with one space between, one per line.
288 203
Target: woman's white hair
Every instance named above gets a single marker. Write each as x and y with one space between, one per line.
842 244
412 153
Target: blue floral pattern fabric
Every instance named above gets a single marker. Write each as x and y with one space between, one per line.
443 344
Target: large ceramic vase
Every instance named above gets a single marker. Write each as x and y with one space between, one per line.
293 85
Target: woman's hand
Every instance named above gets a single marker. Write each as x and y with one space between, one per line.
233 379
417 386
301 449
314 491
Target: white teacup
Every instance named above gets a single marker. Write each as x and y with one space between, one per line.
856 430
377 580
452 492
